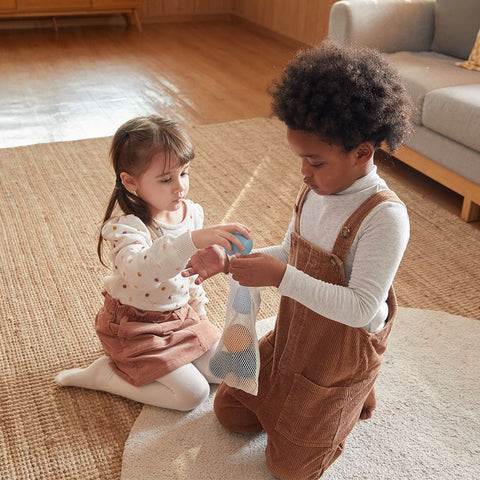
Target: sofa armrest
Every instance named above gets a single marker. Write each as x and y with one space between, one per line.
388 25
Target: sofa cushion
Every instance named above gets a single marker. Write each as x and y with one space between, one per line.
456 26
422 72
455 113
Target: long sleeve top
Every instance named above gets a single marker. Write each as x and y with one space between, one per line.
147 263
370 266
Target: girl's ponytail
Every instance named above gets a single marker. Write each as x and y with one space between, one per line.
108 213
127 202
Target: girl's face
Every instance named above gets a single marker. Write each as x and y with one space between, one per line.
326 168
163 186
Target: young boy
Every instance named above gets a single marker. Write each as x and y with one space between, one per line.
335 267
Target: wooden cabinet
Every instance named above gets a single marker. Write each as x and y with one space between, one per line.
62 8
112 3
39 5
7 5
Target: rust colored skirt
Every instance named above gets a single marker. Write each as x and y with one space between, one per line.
144 346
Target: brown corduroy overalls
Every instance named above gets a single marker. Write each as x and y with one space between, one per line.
315 373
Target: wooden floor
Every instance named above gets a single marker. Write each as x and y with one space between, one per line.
83 82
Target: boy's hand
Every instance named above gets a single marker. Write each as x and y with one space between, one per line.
206 263
257 270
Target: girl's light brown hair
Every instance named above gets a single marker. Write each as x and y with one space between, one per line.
133 146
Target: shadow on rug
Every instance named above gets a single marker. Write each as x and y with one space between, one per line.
426 425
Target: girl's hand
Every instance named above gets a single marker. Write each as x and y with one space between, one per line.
257 270
221 235
206 263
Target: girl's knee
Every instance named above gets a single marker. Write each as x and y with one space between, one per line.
193 396
187 387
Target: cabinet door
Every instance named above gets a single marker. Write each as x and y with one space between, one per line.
39 5
7 5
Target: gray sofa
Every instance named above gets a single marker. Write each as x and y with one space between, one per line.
424 39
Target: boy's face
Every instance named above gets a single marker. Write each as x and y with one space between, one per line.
326 168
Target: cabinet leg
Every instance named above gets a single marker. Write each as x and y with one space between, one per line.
133 18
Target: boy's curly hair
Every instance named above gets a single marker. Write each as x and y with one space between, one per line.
346 95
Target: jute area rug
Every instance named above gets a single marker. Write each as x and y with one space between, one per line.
53 197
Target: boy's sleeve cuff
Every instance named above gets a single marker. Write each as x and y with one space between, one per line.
285 285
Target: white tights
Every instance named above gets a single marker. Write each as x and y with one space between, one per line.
183 389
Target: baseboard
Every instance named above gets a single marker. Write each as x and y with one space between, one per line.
103 20
119 19
66 21
209 17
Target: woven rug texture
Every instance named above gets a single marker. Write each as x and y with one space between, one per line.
53 198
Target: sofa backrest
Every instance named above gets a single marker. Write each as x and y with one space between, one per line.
457 23
389 25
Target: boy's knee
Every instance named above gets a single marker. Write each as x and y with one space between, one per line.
222 412
287 461
287 468
234 416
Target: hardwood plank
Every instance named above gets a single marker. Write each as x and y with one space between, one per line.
83 82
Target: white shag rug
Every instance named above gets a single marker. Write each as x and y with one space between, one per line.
426 425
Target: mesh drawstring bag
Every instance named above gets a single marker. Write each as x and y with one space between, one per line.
237 359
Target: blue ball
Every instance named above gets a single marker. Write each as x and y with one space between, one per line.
221 364
245 363
242 303
246 242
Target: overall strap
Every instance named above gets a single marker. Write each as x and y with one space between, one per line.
350 227
298 206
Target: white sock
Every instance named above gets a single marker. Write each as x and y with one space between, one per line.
94 376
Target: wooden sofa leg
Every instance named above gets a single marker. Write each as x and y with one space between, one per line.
470 210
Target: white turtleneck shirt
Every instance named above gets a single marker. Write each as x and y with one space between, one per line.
370 266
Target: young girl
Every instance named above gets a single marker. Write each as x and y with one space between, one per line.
153 325
335 267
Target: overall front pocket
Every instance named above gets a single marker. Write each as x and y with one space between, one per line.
311 413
